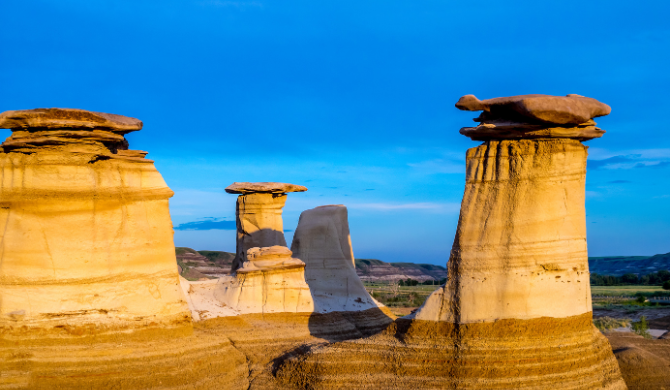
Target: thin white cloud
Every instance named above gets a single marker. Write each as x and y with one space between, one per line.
438 165
234 4
448 207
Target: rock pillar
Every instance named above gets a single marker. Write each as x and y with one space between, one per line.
259 216
516 309
86 235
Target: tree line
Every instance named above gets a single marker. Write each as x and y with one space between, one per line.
660 278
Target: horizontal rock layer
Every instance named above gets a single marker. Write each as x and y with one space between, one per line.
567 353
263 187
85 243
67 118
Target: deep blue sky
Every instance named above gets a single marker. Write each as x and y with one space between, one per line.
354 99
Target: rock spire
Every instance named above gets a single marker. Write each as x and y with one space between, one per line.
259 215
516 309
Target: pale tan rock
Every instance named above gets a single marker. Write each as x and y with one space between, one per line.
516 309
67 118
85 241
521 238
322 240
570 109
269 281
259 216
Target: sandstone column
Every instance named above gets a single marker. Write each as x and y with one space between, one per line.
86 231
516 309
258 215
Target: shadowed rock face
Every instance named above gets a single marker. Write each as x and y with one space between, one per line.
87 235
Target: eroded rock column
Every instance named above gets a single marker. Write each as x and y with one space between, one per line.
516 309
86 230
259 215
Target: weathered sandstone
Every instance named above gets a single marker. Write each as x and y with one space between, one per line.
516 309
269 281
87 235
259 215
323 242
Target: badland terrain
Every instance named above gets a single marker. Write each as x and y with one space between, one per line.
91 296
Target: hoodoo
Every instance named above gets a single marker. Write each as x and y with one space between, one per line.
258 215
516 309
87 235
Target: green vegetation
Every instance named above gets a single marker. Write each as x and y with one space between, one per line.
642 328
609 323
218 257
181 250
652 279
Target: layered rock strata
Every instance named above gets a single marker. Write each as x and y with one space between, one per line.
269 281
515 311
259 215
87 235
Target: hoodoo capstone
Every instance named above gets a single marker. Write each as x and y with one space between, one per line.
516 309
259 215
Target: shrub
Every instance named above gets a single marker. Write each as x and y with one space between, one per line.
666 285
642 327
609 323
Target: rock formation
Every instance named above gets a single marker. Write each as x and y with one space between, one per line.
323 242
87 235
269 281
516 309
258 215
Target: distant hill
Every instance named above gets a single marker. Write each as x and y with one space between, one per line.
212 264
619 265
372 270
195 265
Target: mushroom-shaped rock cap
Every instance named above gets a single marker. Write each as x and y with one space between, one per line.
67 118
570 109
267 187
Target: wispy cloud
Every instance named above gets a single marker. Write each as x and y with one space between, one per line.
448 207
630 161
208 225
234 4
439 165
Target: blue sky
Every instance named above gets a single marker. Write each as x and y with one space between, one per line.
353 99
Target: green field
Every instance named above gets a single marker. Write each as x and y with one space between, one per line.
625 290
414 296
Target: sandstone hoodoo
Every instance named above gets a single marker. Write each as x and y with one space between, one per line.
259 215
87 231
269 281
323 242
516 309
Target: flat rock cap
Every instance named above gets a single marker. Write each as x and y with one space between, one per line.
570 109
67 118
267 187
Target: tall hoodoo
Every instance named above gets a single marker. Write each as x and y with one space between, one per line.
87 235
516 309
259 215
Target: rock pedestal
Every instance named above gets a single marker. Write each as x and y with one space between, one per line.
259 215
86 230
516 309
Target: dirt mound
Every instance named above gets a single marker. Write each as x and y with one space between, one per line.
644 363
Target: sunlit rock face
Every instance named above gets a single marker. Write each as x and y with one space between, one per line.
86 229
259 215
269 281
516 310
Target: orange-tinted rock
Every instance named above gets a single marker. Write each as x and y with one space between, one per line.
67 118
